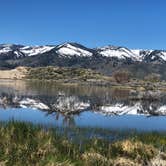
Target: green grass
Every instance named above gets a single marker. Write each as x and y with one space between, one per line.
27 144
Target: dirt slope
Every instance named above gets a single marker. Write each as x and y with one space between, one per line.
18 73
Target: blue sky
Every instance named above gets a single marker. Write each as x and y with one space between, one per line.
131 23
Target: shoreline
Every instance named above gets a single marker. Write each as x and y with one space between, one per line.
144 86
76 76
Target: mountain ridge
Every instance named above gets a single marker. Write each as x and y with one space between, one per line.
105 59
119 52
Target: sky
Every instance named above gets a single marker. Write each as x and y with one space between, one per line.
93 23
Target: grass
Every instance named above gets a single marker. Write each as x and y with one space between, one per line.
27 144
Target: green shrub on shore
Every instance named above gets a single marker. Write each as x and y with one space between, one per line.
59 73
153 77
27 144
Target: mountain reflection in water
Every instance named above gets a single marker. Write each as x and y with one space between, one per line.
81 105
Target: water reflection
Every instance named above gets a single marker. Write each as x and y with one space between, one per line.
76 105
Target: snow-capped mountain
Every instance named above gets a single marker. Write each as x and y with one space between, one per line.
73 49
137 55
11 50
32 51
120 53
103 59
20 51
69 50
155 55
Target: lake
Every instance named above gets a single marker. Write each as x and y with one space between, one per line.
52 104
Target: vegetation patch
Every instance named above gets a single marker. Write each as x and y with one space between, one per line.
27 144
59 73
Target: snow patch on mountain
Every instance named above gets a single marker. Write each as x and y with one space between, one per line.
70 50
31 51
5 49
119 52
163 55
18 54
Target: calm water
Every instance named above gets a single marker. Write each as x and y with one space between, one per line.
59 105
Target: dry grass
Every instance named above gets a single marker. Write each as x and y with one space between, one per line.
26 144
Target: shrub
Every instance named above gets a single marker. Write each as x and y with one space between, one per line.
121 76
153 77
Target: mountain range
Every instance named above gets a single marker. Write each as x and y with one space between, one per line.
106 59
